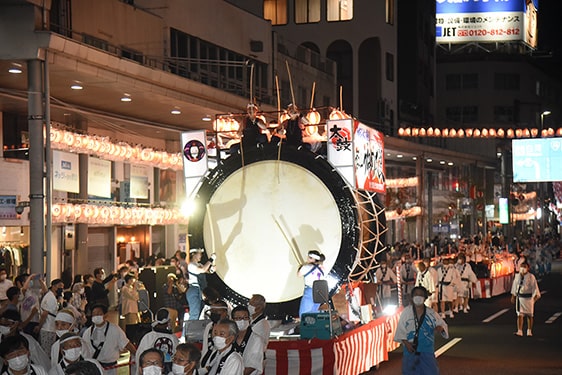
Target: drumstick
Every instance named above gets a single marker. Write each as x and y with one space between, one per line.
295 252
293 242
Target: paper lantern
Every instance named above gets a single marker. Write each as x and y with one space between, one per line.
510 133
534 132
430 132
313 117
401 132
501 133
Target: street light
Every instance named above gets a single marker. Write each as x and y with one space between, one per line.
545 113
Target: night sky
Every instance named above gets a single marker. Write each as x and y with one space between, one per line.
550 27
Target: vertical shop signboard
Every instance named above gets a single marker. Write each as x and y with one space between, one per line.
65 172
195 160
139 181
99 177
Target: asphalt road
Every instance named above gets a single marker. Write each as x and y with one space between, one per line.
491 347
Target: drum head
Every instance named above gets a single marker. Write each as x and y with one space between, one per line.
261 219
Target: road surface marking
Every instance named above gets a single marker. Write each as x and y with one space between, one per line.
553 318
447 346
492 317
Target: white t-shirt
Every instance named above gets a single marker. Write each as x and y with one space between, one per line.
4 286
49 303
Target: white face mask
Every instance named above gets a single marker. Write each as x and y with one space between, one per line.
19 363
219 342
61 332
523 270
152 370
242 324
97 319
251 309
178 369
72 354
418 300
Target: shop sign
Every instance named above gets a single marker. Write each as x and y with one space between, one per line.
99 177
65 172
8 207
139 181
369 159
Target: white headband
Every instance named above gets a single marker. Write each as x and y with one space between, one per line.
314 256
63 316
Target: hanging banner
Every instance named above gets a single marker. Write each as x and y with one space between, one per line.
139 181
195 160
340 147
65 172
369 159
99 177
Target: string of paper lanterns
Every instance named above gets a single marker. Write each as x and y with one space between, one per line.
479 133
104 148
114 215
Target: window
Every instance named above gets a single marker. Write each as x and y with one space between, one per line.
506 81
215 66
454 114
275 11
390 12
470 114
453 82
470 81
503 114
389 66
340 10
461 81
307 11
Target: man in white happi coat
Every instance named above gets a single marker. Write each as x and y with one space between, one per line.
524 293
385 278
425 278
448 278
468 280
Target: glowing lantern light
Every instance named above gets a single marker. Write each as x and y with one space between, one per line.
437 132
485 133
469 133
422 132
460 133
534 132
501 133
476 133
313 117
401 132
510 133
492 132
526 133
550 132
430 132
445 132
518 133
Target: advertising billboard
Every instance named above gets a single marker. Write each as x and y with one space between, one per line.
537 160
465 21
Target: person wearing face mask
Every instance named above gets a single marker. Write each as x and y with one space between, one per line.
50 304
408 278
151 362
71 352
247 343
186 360
385 278
10 325
258 320
65 322
197 281
415 331
432 299
224 359
311 271
15 352
447 276
524 293
105 340
161 338
424 278
217 312
468 280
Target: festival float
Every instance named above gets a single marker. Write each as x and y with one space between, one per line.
263 198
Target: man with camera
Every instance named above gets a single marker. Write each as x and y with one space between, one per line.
415 331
